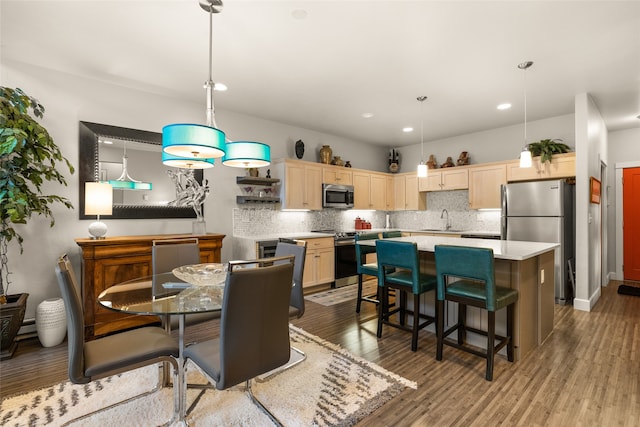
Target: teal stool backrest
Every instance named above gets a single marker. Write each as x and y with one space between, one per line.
466 263
361 250
390 234
401 255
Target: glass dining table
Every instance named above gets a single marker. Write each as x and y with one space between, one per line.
186 290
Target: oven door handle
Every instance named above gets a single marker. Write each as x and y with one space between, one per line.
345 242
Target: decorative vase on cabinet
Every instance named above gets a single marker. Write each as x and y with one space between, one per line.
51 322
325 154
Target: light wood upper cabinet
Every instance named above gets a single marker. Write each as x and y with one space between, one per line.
337 175
484 185
391 191
561 166
407 195
302 185
455 178
370 190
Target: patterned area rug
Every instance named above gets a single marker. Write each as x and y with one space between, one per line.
346 293
331 388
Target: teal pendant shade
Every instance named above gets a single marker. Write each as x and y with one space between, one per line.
186 162
247 154
193 141
130 185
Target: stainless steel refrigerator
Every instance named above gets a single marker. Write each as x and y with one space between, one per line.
543 211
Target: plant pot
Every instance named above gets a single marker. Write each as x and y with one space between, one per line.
11 317
51 322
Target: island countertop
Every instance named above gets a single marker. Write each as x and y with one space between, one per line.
502 249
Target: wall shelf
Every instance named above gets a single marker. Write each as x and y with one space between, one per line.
256 180
269 183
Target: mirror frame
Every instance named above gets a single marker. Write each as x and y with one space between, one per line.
89 171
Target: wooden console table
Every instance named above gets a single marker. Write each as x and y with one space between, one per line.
118 259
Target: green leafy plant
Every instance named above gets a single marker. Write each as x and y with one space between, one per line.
28 158
545 148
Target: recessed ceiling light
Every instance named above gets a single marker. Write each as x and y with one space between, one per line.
367 115
504 106
407 129
220 87
299 14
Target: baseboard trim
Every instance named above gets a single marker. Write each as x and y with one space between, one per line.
587 305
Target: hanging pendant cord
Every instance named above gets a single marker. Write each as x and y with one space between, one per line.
421 99
211 119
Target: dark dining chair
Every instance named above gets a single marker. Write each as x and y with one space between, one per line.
363 267
167 254
254 327
297 248
113 354
467 276
399 268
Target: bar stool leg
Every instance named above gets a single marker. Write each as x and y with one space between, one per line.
439 328
416 322
510 321
359 302
491 335
383 307
462 322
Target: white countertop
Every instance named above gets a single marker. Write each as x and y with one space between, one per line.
294 235
502 249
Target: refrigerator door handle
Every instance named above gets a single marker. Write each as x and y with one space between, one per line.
503 216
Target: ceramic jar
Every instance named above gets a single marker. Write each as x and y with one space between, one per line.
325 154
51 322
338 161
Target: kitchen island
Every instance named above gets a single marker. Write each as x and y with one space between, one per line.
527 267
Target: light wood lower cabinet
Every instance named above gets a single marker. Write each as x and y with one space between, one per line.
319 266
114 260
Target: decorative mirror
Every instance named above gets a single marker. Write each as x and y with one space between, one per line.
132 160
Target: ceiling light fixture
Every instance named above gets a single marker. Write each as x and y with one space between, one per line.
504 106
193 146
422 167
125 182
525 156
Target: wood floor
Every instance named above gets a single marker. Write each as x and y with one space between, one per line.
587 373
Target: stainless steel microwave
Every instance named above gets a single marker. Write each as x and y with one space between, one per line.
337 196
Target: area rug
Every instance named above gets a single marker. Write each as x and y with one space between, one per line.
629 290
330 388
345 293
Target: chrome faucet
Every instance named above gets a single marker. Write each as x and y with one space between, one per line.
442 215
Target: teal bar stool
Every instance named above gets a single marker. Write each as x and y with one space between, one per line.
402 257
471 276
370 269
391 234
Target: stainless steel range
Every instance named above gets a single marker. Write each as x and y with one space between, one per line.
346 270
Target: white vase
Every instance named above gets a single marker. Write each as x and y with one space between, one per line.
51 322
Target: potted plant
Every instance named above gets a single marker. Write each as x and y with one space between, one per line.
28 158
545 148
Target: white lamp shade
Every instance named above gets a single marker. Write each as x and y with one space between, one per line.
98 198
422 170
525 158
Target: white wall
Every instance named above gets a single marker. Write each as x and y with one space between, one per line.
591 152
624 151
491 145
69 100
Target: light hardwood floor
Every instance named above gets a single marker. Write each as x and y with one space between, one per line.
587 373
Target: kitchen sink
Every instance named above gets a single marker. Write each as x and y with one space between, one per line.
440 230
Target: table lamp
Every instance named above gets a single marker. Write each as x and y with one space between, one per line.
98 200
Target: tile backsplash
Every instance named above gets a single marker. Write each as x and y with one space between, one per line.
254 221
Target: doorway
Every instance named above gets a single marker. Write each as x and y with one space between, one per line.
631 223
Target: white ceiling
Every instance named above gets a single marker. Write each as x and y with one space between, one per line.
346 58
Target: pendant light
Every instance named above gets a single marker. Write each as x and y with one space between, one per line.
194 146
525 156
422 167
193 141
125 182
